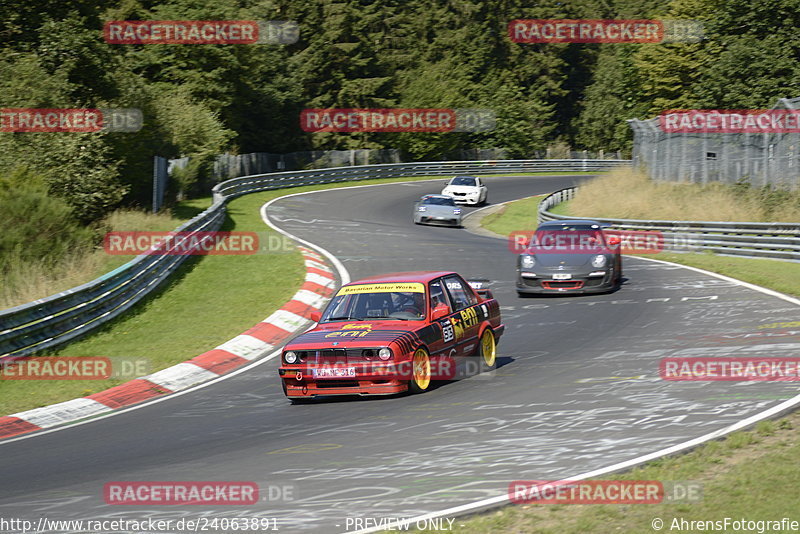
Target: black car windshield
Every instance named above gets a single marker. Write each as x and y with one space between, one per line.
389 301
439 201
569 239
463 180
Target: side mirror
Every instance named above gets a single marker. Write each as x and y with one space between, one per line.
440 311
315 316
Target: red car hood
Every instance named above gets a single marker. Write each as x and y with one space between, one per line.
349 334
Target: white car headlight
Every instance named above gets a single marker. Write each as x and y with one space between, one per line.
290 357
528 261
598 261
384 354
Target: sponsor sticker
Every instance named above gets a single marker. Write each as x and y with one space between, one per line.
408 287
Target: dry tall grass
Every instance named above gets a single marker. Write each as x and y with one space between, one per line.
628 194
27 281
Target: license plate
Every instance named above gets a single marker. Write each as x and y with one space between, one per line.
334 372
562 276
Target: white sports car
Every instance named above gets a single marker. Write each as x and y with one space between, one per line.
467 190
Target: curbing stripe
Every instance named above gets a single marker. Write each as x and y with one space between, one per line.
320 279
218 361
245 346
318 289
260 339
315 300
269 333
14 426
300 308
311 270
313 264
286 320
180 376
62 412
128 393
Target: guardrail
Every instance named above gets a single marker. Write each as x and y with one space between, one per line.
746 239
277 180
46 323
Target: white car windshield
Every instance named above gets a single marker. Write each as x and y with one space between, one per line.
463 180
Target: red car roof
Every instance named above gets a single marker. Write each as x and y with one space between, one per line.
411 276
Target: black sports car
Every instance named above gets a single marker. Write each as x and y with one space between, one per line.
571 255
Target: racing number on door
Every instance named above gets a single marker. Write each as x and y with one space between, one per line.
447 331
455 326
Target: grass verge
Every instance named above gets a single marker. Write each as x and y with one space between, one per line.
624 193
28 281
208 301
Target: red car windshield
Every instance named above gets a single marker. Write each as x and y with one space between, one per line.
395 305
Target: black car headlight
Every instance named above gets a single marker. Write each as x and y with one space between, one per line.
598 261
527 261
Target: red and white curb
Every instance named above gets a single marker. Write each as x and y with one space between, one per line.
261 339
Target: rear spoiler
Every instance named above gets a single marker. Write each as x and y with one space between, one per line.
481 287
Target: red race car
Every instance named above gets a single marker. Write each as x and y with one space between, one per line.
394 333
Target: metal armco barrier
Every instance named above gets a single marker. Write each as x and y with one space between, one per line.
46 323
278 180
746 239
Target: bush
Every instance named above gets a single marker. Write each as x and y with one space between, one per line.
36 226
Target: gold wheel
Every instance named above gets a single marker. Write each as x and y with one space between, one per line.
488 349
421 372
